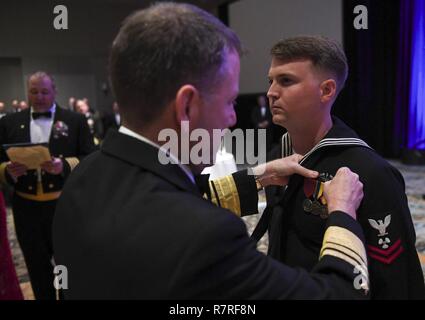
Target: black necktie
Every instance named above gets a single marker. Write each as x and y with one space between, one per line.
36 115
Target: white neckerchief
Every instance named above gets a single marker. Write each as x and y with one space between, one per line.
172 157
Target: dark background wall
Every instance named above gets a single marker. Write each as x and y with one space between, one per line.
260 24
77 57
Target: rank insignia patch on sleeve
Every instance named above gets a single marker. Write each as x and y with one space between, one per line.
386 250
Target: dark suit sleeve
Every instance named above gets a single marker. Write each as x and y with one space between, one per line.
85 146
223 254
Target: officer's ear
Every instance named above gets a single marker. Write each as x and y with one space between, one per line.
187 104
328 90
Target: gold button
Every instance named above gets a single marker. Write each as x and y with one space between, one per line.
29 188
42 172
51 186
22 126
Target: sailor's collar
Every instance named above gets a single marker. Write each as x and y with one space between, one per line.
339 135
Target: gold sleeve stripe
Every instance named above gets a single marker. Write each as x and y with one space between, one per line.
345 238
331 248
213 194
73 162
40 197
227 194
3 173
235 196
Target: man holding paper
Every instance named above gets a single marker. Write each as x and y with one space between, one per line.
40 147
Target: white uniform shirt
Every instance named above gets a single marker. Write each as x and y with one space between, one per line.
41 127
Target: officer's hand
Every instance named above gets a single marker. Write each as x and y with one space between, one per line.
344 192
55 166
278 172
15 170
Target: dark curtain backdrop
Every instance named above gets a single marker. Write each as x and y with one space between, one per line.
368 102
404 69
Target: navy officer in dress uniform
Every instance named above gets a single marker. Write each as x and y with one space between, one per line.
149 233
36 191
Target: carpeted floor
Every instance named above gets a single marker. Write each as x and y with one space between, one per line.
415 190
